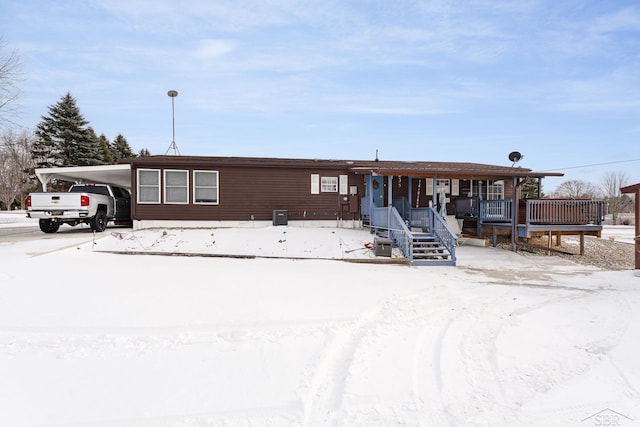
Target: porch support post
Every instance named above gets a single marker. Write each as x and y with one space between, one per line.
390 190
582 243
409 191
369 193
434 197
514 212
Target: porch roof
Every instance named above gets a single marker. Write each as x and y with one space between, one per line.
447 170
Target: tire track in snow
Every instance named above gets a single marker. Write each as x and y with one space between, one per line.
466 374
427 373
323 400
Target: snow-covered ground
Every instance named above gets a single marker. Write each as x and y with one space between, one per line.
93 338
619 233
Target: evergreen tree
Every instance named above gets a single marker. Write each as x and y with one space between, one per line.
144 153
105 148
88 151
63 139
45 152
530 189
121 149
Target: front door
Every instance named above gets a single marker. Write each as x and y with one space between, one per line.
375 186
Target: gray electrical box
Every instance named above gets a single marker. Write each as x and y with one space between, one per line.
382 246
280 217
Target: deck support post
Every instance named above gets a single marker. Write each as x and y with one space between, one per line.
549 244
582 243
558 239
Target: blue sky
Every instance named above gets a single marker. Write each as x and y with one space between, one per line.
417 80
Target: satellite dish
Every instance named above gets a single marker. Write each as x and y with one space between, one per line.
515 157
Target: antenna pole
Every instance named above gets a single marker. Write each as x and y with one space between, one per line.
172 94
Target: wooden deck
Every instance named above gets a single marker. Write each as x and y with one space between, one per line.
542 217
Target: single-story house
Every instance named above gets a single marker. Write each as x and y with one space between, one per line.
418 205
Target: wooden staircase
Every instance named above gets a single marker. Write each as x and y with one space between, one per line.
427 249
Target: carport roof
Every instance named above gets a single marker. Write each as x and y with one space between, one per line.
119 175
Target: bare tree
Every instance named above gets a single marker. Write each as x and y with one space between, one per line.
616 201
10 73
16 166
576 189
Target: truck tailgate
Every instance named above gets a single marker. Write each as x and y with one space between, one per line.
55 201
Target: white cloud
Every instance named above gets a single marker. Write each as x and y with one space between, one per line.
213 48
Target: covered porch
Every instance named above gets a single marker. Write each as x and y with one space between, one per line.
425 211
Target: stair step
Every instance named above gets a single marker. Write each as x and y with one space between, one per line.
427 256
427 249
427 244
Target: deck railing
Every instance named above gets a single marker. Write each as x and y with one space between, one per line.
421 218
402 206
564 211
496 210
543 211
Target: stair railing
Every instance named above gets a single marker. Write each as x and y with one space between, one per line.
388 218
440 229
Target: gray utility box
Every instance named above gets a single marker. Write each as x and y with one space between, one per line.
280 217
382 246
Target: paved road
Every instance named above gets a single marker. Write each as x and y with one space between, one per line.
24 234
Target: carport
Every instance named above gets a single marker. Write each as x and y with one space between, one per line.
119 175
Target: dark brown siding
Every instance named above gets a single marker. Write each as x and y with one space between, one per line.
247 193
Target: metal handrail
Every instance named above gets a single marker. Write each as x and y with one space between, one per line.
441 230
389 219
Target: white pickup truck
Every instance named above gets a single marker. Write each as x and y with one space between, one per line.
93 204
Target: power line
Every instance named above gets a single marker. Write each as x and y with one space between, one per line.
594 164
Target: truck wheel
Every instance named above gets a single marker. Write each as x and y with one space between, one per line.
99 222
48 226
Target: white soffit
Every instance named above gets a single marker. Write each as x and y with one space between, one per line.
119 175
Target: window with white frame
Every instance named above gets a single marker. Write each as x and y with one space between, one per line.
443 185
176 186
148 186
205 187
495 190
329 184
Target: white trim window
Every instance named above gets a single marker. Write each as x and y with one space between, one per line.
176 186
443 185
205 188
495 190
329 184
148 186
